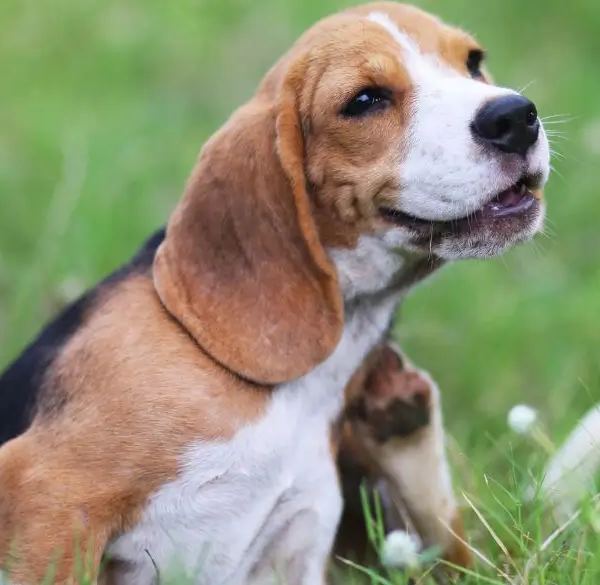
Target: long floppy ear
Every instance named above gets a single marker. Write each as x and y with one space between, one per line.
242 267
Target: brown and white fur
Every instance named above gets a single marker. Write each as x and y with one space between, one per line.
187 421
393 443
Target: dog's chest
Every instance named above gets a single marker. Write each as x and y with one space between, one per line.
267 498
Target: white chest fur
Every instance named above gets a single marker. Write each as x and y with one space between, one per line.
268 499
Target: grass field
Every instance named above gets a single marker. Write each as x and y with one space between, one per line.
104 106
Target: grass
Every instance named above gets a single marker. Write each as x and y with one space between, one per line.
104 107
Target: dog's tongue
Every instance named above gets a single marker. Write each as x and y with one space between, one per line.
511 196
513 201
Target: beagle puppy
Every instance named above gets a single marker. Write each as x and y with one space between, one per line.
183 415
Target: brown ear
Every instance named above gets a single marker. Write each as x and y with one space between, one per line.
242 267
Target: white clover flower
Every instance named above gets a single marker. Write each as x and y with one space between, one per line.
401 550
522 418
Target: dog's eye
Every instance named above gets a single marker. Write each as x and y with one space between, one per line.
367 101
474 61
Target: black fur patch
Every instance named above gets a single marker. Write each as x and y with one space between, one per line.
21 384
401 418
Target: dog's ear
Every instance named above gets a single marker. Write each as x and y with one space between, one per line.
242 267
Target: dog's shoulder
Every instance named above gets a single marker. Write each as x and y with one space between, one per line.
22 383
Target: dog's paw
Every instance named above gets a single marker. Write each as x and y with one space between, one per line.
396 399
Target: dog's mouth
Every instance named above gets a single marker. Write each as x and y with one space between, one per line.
515 203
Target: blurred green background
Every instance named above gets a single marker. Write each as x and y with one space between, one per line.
104 105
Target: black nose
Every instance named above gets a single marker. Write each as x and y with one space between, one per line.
510 123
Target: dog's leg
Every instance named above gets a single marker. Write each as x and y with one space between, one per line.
300 552
394 438
46 513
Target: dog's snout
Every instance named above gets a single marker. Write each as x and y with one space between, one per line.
510 123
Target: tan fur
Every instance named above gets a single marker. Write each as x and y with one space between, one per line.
244 252
137 391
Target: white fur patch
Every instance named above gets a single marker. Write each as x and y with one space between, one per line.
445 175
369 267
268 500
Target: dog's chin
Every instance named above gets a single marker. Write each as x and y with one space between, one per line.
511 217
487 240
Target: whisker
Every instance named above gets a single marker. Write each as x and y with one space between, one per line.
556 133
539 250
552 146
431 241
527 85
559 139
548 233
548 237
549 121
554 122
557 173
554 116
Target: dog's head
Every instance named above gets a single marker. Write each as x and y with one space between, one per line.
379 124
407 136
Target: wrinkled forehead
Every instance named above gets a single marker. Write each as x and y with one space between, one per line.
423 30
374 43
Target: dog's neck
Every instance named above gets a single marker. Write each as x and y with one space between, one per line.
374 270
374 281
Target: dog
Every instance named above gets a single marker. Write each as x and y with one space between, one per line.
185 413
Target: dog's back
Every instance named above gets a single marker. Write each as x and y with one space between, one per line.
22 384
